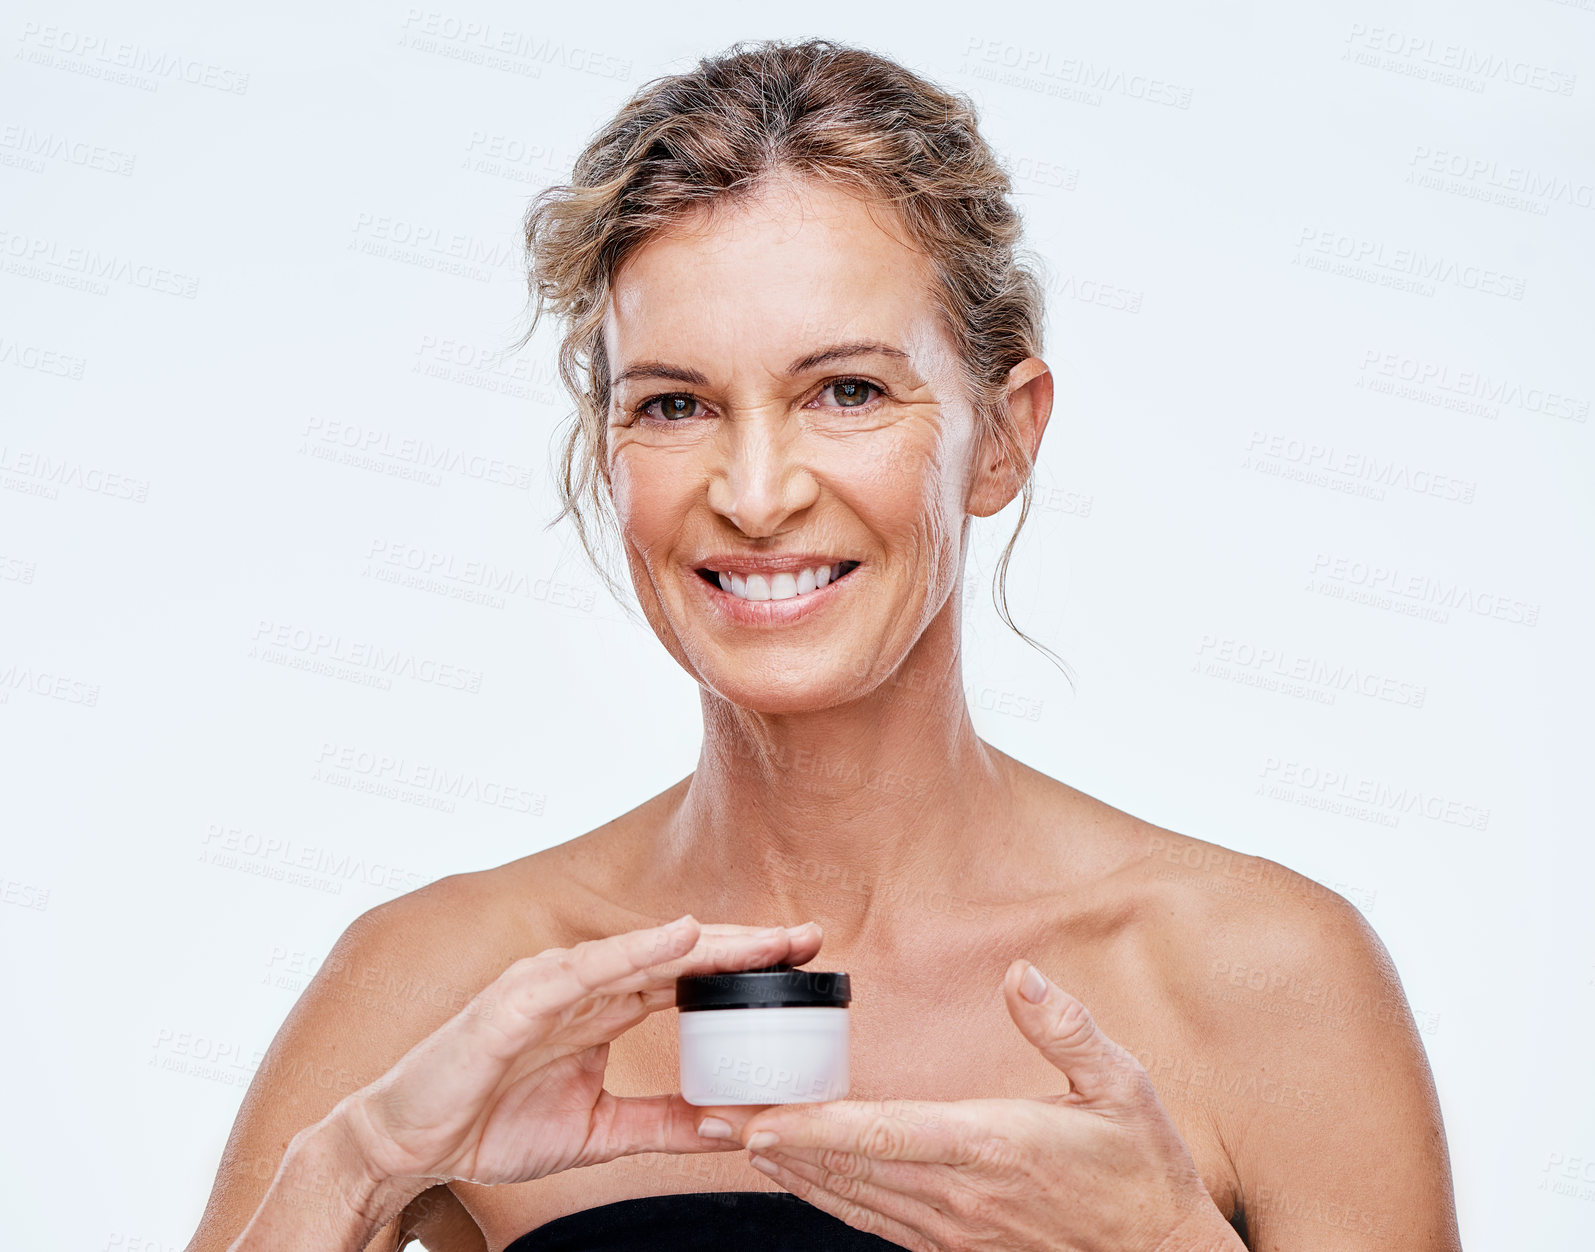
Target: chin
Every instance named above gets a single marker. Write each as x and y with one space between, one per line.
788 684
803 654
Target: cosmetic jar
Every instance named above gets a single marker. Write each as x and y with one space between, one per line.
775 1035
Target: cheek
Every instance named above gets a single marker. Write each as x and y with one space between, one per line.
648 494
913 490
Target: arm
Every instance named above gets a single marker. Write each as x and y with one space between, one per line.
323 1196
346 1030
1346 1152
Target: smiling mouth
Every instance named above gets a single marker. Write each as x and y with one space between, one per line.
785 585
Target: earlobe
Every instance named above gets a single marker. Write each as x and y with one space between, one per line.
992 487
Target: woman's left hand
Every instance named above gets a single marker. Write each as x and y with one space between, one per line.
1100 1168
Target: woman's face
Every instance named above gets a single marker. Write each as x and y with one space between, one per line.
786 410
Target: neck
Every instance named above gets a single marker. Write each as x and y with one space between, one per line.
850 815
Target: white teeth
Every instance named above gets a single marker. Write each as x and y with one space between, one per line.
780 586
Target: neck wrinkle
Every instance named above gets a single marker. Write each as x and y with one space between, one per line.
853 816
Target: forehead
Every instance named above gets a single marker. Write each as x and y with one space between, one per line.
770 277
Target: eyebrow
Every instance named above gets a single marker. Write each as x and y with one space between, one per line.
835 352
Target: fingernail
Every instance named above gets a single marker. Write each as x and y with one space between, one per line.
764 1139
764 1165
714 1128
1032 985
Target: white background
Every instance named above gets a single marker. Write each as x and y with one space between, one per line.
225 244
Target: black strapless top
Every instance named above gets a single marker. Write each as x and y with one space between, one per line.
702 1221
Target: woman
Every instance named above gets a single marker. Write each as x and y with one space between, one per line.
804 357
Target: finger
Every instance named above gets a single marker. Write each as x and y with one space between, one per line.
557 978
928 1182
653 958
625 1125
863 1206
725 1121
724 949
1064 1032
888 1130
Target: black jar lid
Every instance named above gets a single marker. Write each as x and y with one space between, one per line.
769 987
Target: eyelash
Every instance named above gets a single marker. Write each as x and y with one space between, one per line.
881 393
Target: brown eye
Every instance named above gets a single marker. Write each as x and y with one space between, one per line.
672 407
852 393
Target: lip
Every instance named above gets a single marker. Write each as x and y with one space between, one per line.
767 563
766 612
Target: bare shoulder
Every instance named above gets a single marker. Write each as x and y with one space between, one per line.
1248 922
1239 947
439 945
1252 957
455 935
1187 900
1266 1006
1302 1047
397 973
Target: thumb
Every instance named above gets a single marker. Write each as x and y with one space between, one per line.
626 1125
1066 1034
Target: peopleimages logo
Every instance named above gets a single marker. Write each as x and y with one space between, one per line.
1438 55
49 259
339 763
1368 259
1491 175
1424 380
1345 469
376 447
500 48
43 360
47 683
117 60
1303 782
1272 668
276 641
231 847
1068 77
37 473
37 147
1384 582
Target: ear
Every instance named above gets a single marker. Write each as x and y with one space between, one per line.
998 478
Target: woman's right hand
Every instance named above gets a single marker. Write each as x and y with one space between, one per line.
512 1087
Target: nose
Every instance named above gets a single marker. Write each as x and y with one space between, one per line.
761 482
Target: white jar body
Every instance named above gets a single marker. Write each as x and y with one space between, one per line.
785 1055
